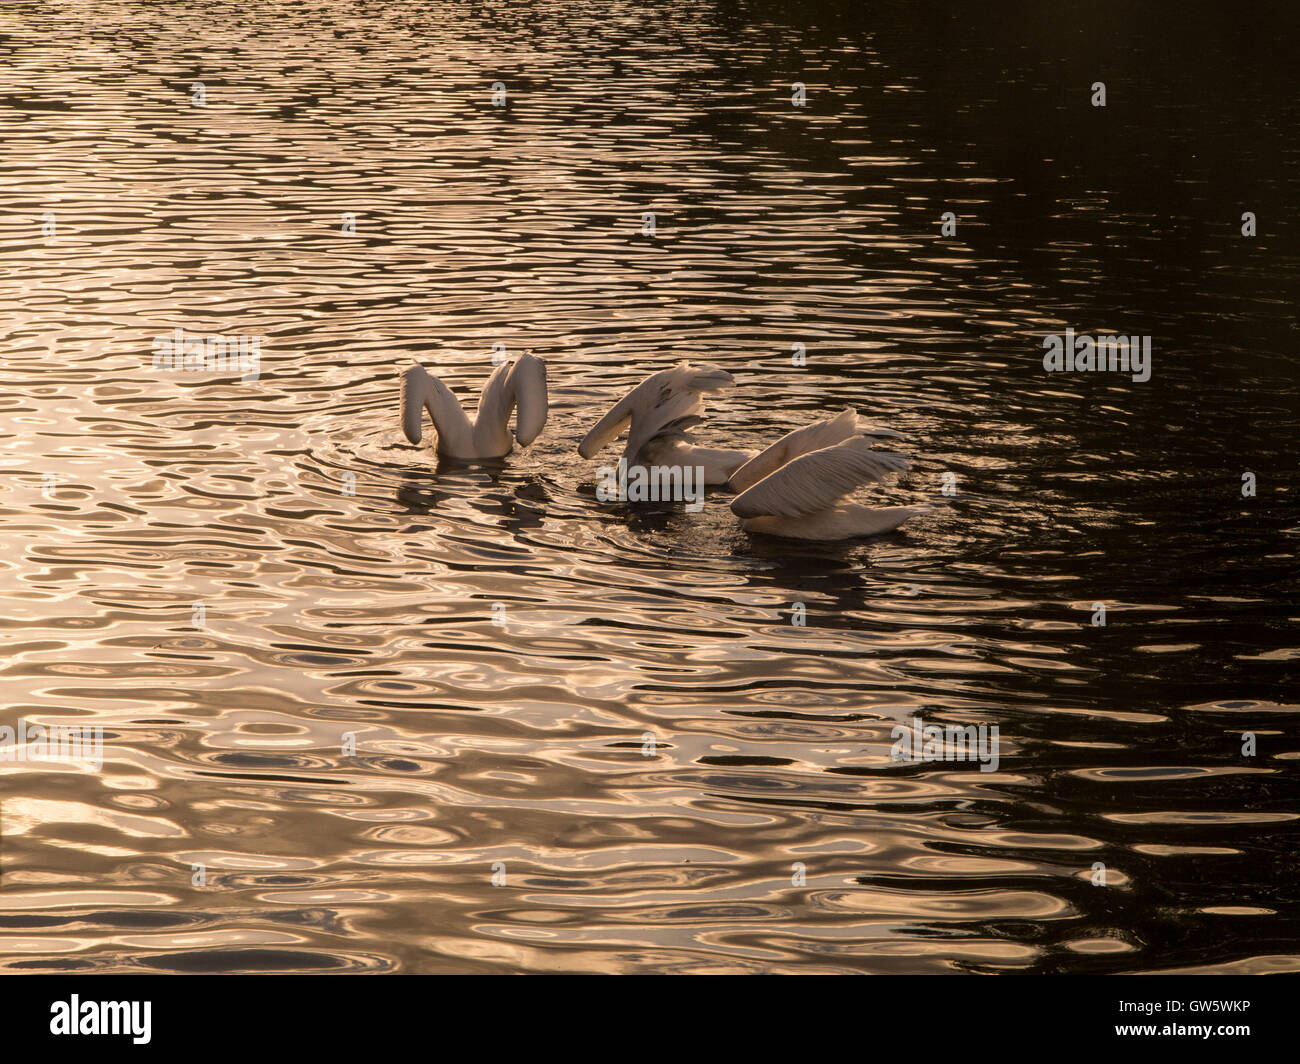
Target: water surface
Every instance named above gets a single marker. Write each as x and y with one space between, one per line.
499 643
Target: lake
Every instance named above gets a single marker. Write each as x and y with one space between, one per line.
364 709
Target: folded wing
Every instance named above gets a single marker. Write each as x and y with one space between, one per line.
421 391
528 382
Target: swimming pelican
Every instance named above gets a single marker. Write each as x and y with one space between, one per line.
520 384
659 414
796 487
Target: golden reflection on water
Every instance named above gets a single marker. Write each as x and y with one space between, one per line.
348 579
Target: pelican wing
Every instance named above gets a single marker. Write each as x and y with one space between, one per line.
814 437
677 412
494 401
528 382
816 480
422 391
519 386
661 399
680 429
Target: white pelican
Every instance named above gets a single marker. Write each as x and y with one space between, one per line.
520 384
796 488
658 414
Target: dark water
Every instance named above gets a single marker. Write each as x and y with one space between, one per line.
327 612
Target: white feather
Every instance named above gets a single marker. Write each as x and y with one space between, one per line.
521 384
662 404
817 480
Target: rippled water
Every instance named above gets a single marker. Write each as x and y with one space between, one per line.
130 495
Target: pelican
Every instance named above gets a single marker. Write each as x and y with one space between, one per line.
798 486
659 414
520 384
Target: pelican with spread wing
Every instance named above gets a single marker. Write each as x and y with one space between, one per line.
799 486
659 414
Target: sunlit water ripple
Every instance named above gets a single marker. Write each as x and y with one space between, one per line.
500 643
